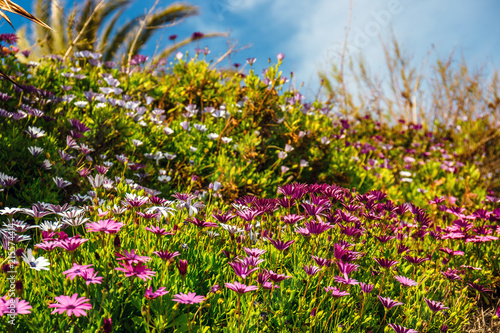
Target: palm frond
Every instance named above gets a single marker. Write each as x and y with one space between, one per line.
9 6
86 12
119 37
156 21
101 16
104 37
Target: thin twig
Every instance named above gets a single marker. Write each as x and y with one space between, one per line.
223 56
141 28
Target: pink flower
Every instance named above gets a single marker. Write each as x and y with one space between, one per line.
152 295
108 226
165 255
131 257
202 224
14 306
91 277
401 329
71 244
254 252
72 305
159 231
76 270
388 303
336 292
240 288
406 281
366 287
281 245
189 298
385 263
47 246
435 306
311 269
242 270
141 271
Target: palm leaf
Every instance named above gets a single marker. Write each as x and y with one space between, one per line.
107 31
12 7
118 39
101 16
158 20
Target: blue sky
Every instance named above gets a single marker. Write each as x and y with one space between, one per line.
310 33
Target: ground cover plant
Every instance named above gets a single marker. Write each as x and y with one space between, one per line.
173 196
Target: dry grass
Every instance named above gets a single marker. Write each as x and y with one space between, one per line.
442 97
482 321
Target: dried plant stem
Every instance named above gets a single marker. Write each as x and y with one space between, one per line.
141 28
73 43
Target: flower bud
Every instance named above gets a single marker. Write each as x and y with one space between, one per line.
107 327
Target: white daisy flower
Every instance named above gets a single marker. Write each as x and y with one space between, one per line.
38 264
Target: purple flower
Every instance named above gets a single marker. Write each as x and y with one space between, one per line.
242 270
71 244
366 287
141 271
201 224
451 274
189 298
385 263
317 228
91 277
197 35
275 277
292 218
76 270
254 252
131 257
388 303
321 261
347 268
182 267
335 292
415 260
401 329
214 289
108 325
165 255
280 56
345 280
159 231
9 38
152 295
311 270
281 245
240 288
434 305
478 287
406 281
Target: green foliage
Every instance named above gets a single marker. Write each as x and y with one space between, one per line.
252 134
